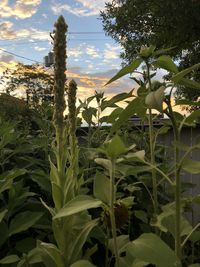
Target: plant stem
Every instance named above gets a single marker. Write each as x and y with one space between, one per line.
188 236
177 187
112 211
151 143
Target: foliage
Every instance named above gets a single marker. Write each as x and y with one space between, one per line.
35 80
133 23
117 197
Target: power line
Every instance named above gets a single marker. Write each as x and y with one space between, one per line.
11 53
42 33
70 40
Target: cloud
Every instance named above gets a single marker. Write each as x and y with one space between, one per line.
111 52
6 61
83 8
88 83
20 10
7 32
40 49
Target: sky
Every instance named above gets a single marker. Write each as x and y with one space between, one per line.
93 57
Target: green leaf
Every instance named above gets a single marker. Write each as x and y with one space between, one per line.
6 178
22 221
106 163
115 99
166 221
191 166
187 102
102 187
82 263
2 214
165 62
88 113
78 204
193 117
77 246
163 51
115 147
136 106
57 195
122 242
126 70
34 256
189 84
54 176
195 265
50 254
10 259
142 215
176 78
139 263
154 100
150 248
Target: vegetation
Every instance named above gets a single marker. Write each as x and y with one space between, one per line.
172 24
114 195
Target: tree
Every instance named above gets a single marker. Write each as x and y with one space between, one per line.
34 80
163 23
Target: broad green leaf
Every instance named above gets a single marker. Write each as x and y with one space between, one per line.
195 265
50 254
128 201
126 70
78 204
176 78
139 263
106 163
191 166
142 215
10 175
187 102
165 62
115 147
139 155
150 248
33 256
82 263
88 113
115 99
189 84
163 51
166 221
122 242
57 195
193 117
54 176
112 117
22 221
136 106
154 100
6 178
2 214
102 187
10 259
76 247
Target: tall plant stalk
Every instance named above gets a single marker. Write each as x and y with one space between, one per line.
177 185
151 144
112 211
72 89
59 101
